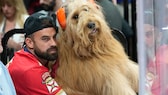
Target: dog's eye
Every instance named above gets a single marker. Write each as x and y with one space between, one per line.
75 16
85 9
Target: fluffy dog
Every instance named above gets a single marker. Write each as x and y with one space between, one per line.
91 60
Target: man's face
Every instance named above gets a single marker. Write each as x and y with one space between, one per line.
45 46
149 35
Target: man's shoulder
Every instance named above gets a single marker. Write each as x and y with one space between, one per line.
22 61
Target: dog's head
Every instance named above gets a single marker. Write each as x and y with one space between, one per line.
85 29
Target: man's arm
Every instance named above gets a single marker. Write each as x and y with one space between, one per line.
40 82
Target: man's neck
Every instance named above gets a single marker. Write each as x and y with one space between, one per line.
42 61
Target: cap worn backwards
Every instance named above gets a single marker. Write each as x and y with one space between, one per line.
38 21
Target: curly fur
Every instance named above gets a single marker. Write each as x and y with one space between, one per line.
92 61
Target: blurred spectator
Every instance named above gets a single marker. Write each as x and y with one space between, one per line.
160 83
12 15
159 66
152 42
149 41
6 84
153 33
150 55
37 5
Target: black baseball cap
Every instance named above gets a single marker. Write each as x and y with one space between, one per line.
38 21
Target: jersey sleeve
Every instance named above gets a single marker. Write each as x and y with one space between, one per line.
38 81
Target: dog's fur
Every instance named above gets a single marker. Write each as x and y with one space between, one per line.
91 60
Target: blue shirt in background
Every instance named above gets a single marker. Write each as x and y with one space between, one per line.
6 83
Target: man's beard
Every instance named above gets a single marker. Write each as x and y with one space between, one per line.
46 55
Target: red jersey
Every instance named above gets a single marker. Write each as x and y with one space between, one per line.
158 68
30 77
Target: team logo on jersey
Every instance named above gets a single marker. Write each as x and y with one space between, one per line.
51 84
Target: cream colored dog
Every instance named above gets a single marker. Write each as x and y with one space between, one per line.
91 60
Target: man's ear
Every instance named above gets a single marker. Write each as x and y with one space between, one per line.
29 43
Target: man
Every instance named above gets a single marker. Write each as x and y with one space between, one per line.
29 67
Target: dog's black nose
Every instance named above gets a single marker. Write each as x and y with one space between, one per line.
91 25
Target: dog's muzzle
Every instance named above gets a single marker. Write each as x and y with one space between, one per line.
91 25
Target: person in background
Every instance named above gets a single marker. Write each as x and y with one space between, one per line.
150 41
33 6
159 67
30 69
6 84
159 85
12 15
